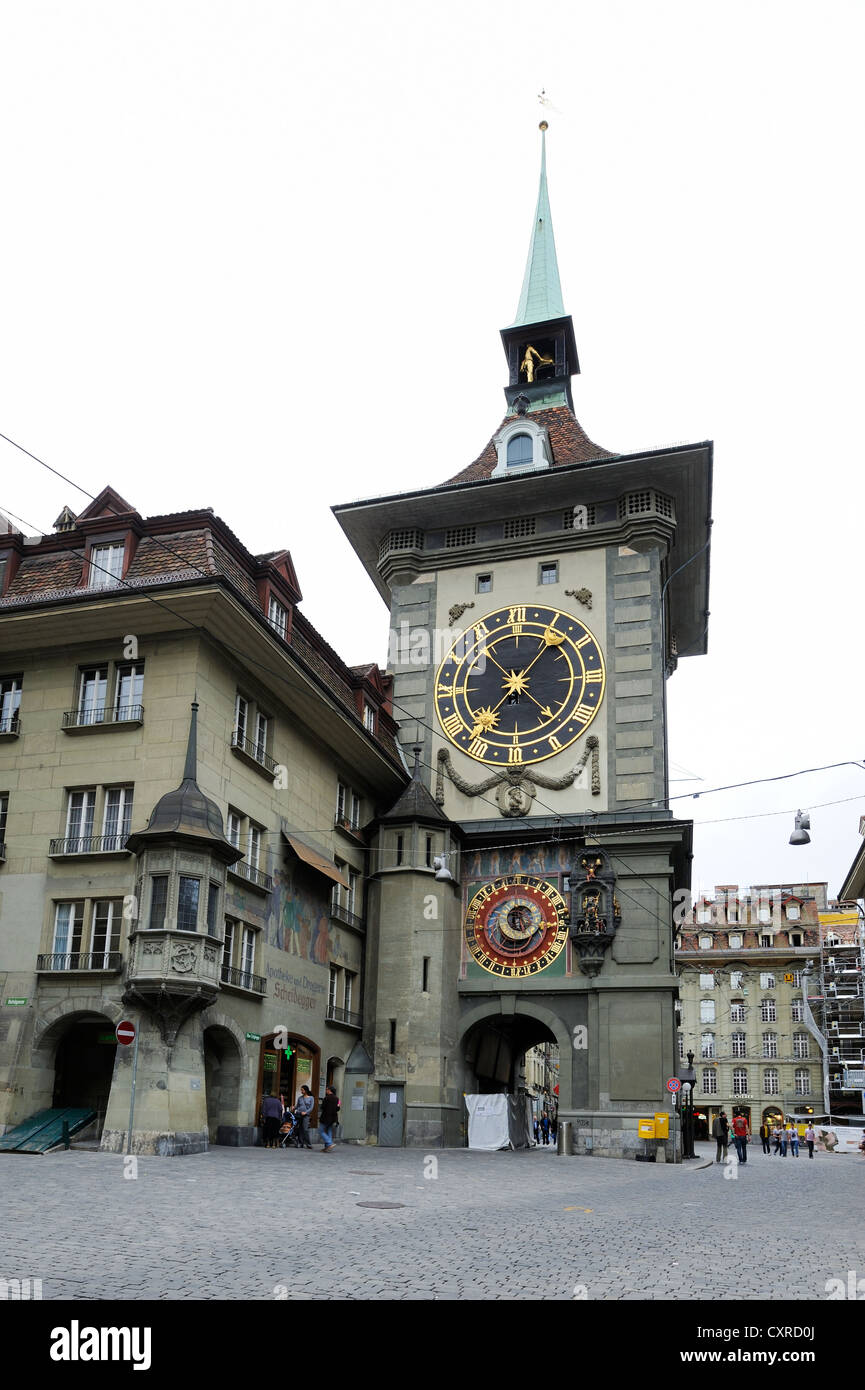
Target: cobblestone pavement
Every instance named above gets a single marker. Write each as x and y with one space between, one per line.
264 1224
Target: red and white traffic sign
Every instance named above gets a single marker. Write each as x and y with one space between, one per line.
125 1032
674 1084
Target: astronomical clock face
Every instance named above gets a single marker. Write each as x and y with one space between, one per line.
516 926
520 685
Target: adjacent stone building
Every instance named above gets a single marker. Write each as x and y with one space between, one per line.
742 958
186 768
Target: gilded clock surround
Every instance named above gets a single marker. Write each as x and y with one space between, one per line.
520 685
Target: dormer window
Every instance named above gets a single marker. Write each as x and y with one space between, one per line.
106 565
792 912
368 717
520 451
521 447
277 616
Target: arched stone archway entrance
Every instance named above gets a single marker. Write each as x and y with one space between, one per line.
494 1048
223 1075
77 1054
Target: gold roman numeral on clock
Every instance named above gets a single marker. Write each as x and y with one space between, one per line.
554 742
515 755
452 725
583 640
481 631
478 748
594 677
583 713
516 615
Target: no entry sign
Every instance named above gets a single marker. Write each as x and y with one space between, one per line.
674 1084
125 1032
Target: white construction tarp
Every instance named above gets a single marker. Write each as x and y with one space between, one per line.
488 1122
838 1139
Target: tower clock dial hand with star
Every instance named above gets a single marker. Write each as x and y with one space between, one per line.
520 685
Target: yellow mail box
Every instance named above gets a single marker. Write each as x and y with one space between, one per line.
646 1129
662 1125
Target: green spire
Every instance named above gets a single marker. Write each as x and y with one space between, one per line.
541 297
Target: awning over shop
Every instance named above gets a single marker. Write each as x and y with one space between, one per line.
315 858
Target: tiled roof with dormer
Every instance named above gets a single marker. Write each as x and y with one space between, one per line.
569 443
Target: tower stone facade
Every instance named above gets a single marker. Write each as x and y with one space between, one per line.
540 598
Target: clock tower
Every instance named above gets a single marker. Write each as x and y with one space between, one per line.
540 599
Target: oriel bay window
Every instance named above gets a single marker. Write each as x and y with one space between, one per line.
188 892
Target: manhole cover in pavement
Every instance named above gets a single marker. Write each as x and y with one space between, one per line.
389 1206
368 1172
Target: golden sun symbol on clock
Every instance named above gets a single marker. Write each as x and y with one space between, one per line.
520 685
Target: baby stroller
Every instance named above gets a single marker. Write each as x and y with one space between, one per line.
290 1131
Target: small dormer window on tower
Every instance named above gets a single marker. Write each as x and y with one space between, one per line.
520 451
521 446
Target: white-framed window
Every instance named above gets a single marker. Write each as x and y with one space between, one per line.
106 565
740 1081
253 844
735 942
710 1081
128 691
117 817
704 914
767 981
768 1012
10 703
707 1011
368 717
797 1010
770 1081
354 818
795 938
350 978
765 941
737 1011
792 911
705 943
732 910
354 892
333 986
91 694
770 1044
707 1046
228 944
764 914
68 928
247 955
707 981
232 828
739 1044
483 583
79 820
521 445
797 979
803 1081
800 1045
341 801
241 715
4 811
277 616
548 572
107 926
520 451
262 727
737 978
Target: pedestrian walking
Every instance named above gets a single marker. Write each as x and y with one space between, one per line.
537 1131
740 1137
328 1117
766 1136
810 1139
545 1128
303 1109
719 1134
271 1115
794 1141
776 1135
784 1140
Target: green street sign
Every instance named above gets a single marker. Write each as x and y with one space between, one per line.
253 1037
16 1001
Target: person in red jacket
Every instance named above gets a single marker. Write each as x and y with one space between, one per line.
740 1137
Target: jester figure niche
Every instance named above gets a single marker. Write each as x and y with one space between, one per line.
595 912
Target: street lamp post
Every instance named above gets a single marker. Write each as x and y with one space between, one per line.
688 1078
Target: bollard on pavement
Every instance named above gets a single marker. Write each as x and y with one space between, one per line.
564 1139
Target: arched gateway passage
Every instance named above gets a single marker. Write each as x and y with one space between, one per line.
518 1047
495 1048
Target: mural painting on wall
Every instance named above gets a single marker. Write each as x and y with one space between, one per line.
298 921
536 859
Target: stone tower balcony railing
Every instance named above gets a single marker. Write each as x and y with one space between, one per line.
176 962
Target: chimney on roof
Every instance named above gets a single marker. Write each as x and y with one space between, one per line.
66 521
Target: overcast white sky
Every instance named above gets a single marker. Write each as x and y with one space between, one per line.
255 256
